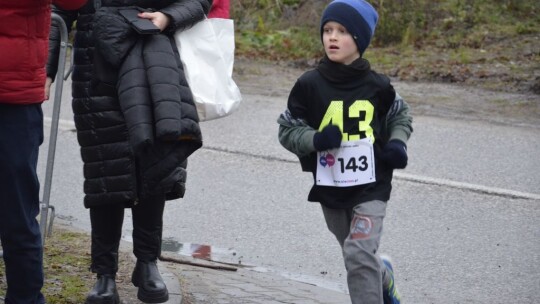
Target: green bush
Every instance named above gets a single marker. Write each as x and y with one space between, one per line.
290 28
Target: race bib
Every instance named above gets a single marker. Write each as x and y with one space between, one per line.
351 164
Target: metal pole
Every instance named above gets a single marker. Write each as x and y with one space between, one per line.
54 128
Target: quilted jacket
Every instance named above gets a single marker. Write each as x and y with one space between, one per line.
135 117
220 9
24 30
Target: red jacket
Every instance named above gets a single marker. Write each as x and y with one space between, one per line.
24 38
220 9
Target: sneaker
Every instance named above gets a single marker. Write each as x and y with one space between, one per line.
390 293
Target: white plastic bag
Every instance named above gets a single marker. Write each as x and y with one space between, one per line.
207 54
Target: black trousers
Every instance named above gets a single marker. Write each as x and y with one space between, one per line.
106 233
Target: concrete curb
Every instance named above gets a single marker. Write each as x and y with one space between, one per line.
203 285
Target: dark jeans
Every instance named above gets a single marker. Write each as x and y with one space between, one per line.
21 133
107 223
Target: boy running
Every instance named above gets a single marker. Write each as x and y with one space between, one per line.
349 128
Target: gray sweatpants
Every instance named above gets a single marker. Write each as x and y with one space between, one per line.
358 231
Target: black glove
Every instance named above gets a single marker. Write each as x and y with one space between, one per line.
328 138
395 154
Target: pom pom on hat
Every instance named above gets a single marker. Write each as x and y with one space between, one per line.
357 16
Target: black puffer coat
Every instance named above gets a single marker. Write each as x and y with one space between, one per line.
136 125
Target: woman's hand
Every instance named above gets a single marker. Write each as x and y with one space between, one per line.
158 19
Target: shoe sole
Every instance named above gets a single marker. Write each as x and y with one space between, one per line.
115 300
147 297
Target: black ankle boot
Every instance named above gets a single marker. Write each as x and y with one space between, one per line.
152 289
104 291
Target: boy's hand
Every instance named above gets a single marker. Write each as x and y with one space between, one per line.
328 138
395 154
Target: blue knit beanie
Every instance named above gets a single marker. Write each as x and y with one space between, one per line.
357 16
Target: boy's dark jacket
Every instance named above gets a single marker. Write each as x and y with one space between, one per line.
136 125
308 102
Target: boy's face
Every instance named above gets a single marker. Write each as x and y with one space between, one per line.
339 44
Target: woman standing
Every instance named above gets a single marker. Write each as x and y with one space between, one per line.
136 126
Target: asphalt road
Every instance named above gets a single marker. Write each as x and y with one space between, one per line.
461 226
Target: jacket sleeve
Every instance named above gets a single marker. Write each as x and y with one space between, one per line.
399 121
295 135
54 39
184 14
69 4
